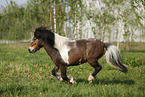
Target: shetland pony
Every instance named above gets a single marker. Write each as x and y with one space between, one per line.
65 52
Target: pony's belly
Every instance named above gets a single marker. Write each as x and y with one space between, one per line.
77 61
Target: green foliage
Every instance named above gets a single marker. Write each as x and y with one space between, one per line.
75 19
12 25
29 75
132 60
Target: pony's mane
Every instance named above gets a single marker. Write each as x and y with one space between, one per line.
45 34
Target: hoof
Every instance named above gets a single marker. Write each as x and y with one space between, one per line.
58 76
75 83
91 81
72 81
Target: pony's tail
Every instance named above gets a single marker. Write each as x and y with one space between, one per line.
113 58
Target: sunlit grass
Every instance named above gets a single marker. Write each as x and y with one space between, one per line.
25 74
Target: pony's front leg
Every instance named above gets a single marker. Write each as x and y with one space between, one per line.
64 76
54 72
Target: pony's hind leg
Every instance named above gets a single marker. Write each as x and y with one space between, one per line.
97 68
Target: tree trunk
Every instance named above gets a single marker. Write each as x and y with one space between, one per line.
119 34
54 16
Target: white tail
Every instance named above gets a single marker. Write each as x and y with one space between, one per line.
114 59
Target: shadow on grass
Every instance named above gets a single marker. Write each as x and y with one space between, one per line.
107 82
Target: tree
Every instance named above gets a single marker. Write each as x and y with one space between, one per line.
110 21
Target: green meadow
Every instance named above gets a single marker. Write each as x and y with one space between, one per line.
29 75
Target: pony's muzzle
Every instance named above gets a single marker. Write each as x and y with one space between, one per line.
31 50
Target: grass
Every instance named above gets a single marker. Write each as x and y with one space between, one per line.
29 75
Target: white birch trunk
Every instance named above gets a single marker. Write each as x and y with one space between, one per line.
54 18
75 29
119 34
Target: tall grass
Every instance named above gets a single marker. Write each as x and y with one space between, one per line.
29 75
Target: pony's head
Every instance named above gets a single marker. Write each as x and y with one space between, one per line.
41 36
34 46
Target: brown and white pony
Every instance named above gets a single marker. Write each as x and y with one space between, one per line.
65 52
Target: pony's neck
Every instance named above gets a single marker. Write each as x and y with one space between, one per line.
51 51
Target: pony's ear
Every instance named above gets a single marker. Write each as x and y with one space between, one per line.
37 33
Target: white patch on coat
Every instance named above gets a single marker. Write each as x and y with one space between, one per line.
61 44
